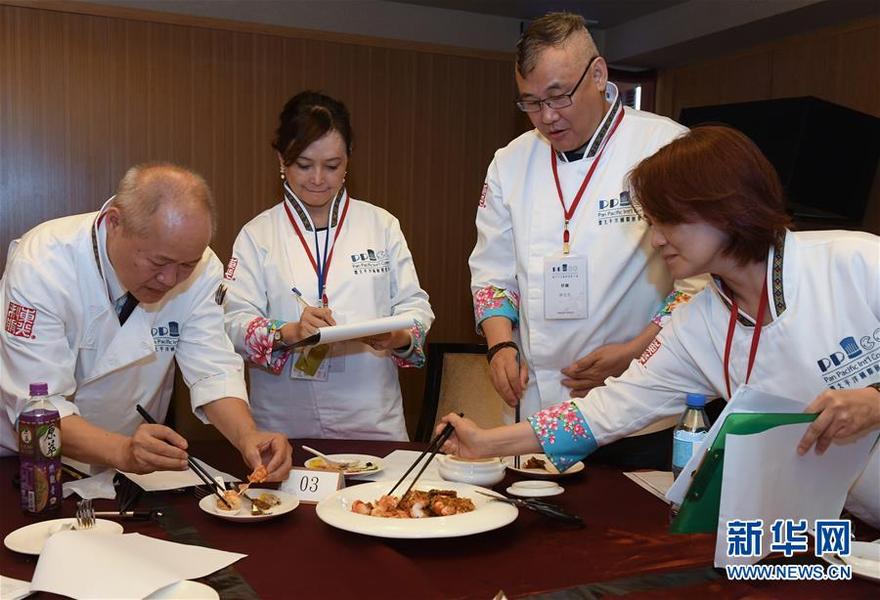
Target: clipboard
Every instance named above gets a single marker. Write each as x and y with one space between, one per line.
699 511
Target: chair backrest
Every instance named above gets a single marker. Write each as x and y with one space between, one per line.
458 381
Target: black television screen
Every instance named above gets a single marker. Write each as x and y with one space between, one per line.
826 155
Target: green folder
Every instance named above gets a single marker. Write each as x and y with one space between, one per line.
699 510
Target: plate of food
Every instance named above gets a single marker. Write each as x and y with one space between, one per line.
353 464
539 466
269 504
434 509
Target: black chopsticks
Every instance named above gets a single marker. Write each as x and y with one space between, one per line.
196 467
517 416
433 448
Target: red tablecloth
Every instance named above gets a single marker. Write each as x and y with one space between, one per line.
624 547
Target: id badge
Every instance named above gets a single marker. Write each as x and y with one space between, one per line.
312 364
565 287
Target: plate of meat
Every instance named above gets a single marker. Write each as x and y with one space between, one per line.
433 509
540 467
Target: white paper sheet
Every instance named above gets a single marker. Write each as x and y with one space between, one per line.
173 480
787 487
745 400
340 333
395 465
656 482
120 566
96 486
14 589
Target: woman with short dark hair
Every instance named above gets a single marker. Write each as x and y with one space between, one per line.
319 258
784 310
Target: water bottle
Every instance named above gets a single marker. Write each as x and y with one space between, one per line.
39 451
690 431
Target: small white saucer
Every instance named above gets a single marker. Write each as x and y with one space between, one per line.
535 489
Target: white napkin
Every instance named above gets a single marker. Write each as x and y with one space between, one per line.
96 486
656 482
120 566
14 589
172 480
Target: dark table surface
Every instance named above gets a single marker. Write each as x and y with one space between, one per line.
624 549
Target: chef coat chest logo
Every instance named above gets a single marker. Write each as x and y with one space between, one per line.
370 261
616 210
857 359
165 337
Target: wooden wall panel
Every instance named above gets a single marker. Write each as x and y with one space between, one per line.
85 96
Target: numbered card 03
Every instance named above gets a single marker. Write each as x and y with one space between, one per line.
312 486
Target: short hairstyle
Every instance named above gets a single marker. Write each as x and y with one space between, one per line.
717 175
148 186
306 118
552 30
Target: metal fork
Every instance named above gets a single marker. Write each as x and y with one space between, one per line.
85 514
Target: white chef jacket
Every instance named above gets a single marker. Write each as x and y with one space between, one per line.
61 328
520 222
371 275
825 334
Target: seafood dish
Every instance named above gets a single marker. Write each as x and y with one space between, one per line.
233 502
232 498
416 504
535 463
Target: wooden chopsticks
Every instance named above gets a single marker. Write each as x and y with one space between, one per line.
433 448
196 467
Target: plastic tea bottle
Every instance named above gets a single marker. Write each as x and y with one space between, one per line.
39 451
690 431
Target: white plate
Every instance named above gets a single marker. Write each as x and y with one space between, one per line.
185 590
288 503
30 538
529 491
550 472
363 459
861 559
335 510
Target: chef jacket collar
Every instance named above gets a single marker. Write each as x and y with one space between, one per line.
303 215
589 150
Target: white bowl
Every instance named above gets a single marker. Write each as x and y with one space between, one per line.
484 472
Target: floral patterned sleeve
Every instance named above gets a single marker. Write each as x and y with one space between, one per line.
564 434
414 356
675 299
258 341
491 301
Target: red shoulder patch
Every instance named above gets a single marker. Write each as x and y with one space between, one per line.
650 351
230 269
483 195
20 320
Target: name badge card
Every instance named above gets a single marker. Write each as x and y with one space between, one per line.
565 287
312 486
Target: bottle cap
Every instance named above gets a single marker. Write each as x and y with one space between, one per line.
696 400
39 389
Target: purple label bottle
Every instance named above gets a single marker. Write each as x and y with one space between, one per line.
39 451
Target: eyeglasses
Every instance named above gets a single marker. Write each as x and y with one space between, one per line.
554 102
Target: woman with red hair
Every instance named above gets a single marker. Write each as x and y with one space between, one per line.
785 312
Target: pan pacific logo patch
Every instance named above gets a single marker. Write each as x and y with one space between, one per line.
370 261
617 210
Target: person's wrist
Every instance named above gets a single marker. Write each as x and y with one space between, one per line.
403 342
495 349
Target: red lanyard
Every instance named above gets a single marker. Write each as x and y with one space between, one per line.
568 213
324 269
756 336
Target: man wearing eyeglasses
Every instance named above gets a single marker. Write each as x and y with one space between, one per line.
567 287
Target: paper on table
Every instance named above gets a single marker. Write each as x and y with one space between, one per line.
395 465
172 480
339 333
656 482
14 589
120 566
746 399
788 486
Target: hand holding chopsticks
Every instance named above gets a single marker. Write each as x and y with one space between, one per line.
195 466
433 448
